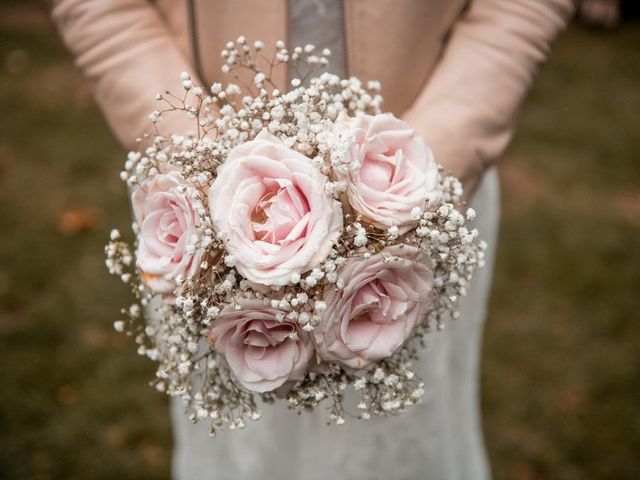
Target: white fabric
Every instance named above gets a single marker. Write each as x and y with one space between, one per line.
439 439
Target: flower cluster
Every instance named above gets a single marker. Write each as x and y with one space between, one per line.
301 242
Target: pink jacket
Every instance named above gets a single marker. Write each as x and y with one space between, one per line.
456 70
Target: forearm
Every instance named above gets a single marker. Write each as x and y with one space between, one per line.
468 108
125 51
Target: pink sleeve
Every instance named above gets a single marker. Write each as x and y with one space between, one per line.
124 49
468 108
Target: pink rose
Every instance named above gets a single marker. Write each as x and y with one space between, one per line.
262 352
269 204
167 224
396 171
385 297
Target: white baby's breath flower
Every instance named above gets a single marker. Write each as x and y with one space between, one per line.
304 318
295 277
360 240
232 89
471 214
320 306
360 383
416 213
422 231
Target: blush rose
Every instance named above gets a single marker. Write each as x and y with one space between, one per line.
269 204
167 224
385 297
262 352
397 172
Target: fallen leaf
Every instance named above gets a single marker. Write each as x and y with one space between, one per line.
115 435
7 157
76 220
67 394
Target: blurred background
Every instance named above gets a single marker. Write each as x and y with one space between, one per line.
561 371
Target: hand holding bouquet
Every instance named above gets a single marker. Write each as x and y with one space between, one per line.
302 242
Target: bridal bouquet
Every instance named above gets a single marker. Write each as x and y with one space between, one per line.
302 243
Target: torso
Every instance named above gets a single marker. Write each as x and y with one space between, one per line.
397 42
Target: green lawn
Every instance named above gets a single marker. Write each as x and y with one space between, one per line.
561 375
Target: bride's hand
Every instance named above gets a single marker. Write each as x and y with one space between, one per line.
454 152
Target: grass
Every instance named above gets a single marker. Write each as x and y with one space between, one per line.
561 380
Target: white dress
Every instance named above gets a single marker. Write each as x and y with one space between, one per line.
438 439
